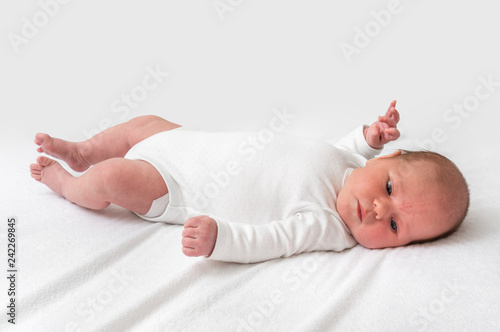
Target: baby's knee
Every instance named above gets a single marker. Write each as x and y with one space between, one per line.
108 174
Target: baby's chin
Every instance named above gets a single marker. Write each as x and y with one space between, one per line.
369 243
372 246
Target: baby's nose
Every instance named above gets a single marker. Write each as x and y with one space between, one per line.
380 208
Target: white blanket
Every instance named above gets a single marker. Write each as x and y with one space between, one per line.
72 68
81 270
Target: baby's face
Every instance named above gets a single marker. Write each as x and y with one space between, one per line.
391 202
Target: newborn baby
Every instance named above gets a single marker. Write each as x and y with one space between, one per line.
249 197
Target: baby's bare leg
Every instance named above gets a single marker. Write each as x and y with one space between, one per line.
110 143
132 184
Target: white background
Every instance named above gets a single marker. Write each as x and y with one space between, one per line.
229 70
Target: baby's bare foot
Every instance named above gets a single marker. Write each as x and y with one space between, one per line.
72 153
50 173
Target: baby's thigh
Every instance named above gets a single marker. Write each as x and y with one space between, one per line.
132 184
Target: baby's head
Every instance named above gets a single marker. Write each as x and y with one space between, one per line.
403 198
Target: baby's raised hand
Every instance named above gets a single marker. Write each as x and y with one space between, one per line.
384 130
199 236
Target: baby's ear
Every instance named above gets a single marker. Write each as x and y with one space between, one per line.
394 154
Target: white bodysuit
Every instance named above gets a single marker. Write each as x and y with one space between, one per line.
272 195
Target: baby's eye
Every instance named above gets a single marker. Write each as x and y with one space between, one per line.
389 187
394 226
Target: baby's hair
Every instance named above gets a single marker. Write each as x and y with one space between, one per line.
452 181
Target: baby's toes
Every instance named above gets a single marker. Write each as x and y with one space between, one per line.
44 141
40 138
36 167
36 171
37 177
44 161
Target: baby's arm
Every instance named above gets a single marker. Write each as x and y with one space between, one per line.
309 229
384 130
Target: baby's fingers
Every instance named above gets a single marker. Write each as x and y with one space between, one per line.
190 243
189 232
192 222
392 112
190 252
391 106
389 121
199 236
391 134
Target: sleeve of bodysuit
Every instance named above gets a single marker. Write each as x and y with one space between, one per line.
355 142
307 230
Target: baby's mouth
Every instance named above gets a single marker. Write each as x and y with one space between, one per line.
360 212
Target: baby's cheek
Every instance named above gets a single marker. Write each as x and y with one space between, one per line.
372 238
